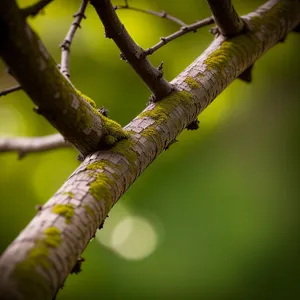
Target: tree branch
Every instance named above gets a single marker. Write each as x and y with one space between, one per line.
133 53
228 21
56 99
182 31
26 145
66 44
34 9
161 14
36 264
10 90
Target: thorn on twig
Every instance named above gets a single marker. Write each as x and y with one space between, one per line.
194 125
160 70
122 57
65 45
215 31
77 267
103 111
101 225
38 207
170 144
37 110
246 76
151 99
80 157
79 14
163 39
184 28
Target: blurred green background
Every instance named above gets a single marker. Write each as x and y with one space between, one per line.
214 217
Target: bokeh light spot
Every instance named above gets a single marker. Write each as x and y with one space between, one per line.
134 238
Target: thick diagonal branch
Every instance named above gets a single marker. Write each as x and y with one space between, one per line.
133 53
26 145
36 264
37 73
228 21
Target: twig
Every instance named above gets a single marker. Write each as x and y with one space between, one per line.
10 90
161 14
228 21
66 44
25 145
34 9
133 53
182 31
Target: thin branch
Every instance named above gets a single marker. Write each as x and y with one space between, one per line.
228 21
26 145
64 226
133 53
10 90
162 14
182 31
34 9
66 44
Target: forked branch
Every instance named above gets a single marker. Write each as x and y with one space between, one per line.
228 21
33 67
133 53
96 185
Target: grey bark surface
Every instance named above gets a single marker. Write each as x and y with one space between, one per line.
104 176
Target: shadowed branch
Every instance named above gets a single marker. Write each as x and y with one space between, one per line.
131 52
228 21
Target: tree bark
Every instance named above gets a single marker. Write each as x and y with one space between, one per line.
36 264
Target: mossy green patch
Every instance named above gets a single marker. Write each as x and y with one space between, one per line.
221 57
113 131
192 83
65 210
124 148
100 187
163 108
26 271
70 194
87 99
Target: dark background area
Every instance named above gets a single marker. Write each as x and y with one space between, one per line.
214 217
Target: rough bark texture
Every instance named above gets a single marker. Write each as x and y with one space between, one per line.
41 79
228 21
36 264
